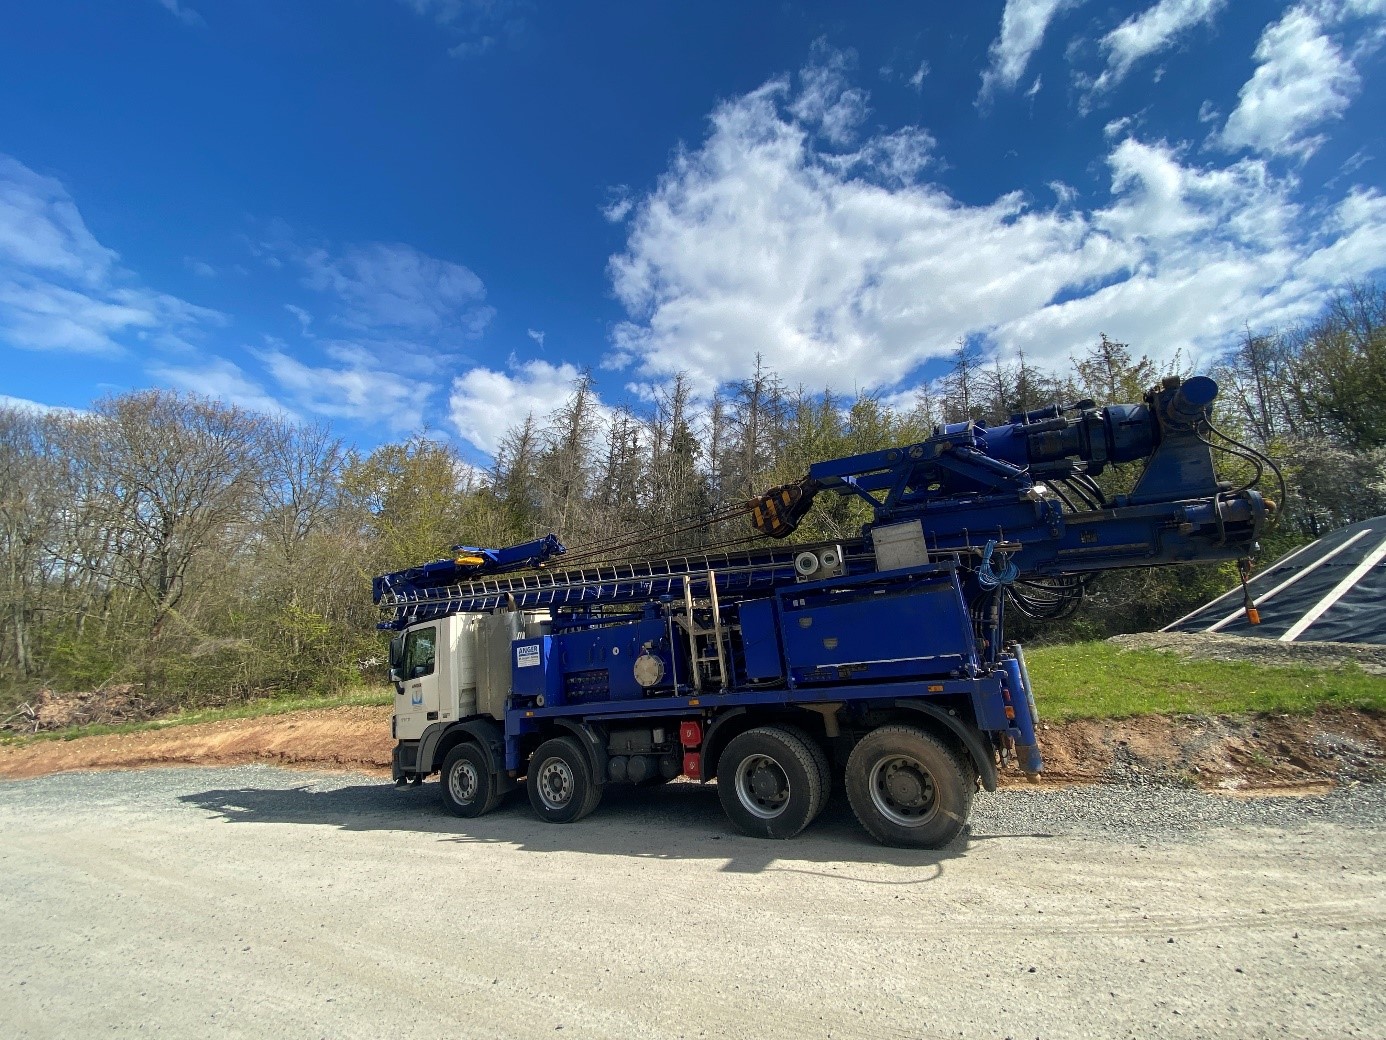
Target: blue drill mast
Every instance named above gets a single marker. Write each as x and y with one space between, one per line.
880 662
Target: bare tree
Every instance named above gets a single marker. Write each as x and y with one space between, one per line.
27 513
165 482
564 466
962 387
757 404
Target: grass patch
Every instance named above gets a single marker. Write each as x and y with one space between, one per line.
1101 681
243 710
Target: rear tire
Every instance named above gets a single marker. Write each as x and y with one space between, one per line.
908 788
469 787
820 759
560 784
768 783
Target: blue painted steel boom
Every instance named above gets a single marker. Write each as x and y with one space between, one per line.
968 486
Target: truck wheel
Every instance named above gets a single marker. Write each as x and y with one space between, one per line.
908 789
820 760
768 783
560 782
469 789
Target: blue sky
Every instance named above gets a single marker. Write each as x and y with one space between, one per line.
395 215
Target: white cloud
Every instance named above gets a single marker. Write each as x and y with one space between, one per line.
486 403
1153 30
443 11
537 335
1119 128
619 207
407 317
826 101
917 80
41 230
840 275
1065 193
221 379
200 267
1358 241
23 404
477 25
1023 24
1302 80
355 389
395 286
60 289
305 320
181 11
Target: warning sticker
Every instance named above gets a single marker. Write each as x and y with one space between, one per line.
527 656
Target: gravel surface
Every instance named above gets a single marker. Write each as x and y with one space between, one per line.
254 901
1215 646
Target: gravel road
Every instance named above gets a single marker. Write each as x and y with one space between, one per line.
253 901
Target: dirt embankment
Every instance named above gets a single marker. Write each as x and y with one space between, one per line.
1251 754
1256 753
328 738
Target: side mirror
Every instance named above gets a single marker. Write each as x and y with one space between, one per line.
395 677
396 654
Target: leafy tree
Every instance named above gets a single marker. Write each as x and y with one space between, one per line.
1338 376
407 500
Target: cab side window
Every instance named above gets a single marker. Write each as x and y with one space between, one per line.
419 652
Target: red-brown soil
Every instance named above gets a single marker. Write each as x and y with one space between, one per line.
1253 754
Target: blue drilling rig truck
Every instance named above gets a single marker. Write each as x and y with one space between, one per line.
880 663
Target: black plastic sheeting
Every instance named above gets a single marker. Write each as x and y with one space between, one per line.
1341 579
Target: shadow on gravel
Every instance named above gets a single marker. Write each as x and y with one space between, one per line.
676 821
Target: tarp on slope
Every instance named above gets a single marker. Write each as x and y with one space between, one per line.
1333 589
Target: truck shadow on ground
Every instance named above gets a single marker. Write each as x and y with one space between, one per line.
676 821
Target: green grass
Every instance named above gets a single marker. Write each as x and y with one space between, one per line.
1099 681
243 710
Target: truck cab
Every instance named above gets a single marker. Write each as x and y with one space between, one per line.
433 668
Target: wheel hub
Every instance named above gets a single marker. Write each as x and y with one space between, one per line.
762 787
555 783
903 790
905 786
464 782
765 784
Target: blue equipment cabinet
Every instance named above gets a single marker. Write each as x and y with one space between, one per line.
875 628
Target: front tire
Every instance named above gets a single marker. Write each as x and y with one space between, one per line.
908 788
469 787
560 784
768 783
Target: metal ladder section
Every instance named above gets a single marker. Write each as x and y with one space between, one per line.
726 576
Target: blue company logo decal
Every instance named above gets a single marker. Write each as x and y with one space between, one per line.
418 696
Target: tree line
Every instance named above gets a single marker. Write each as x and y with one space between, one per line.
210 553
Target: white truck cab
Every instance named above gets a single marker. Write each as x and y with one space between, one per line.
433 666
454 668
